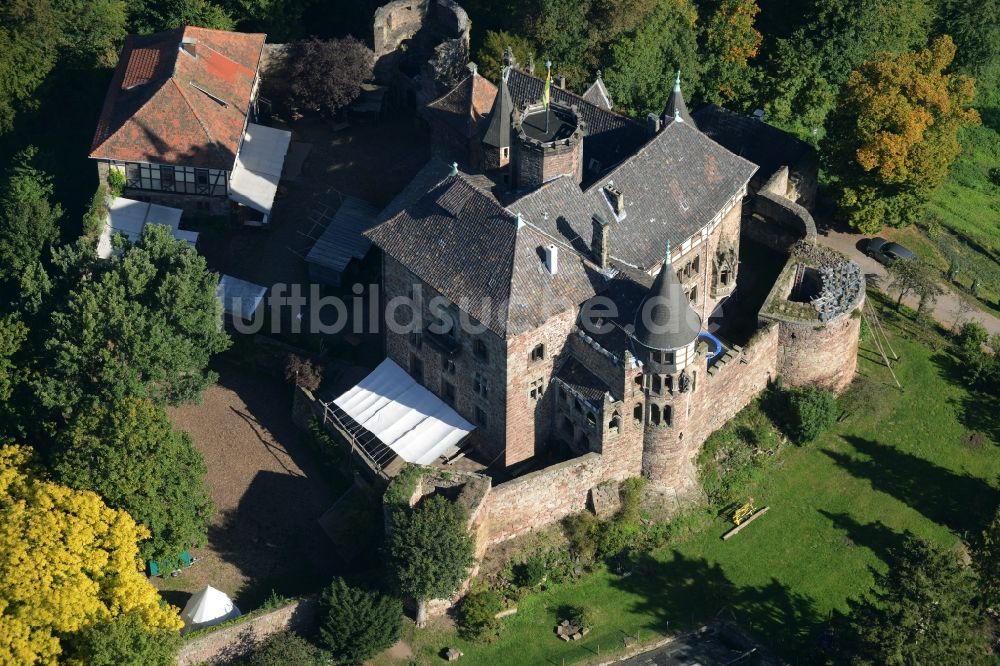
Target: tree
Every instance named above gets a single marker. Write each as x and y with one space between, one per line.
731 41
478 615
357 624
914 277
13 334
91 30
975 27
29 221
83 564
564 34
126 451
894 134
125 641
156 15
799 97
923 610
303 372
489 58
430 550
145 323
29 36
326 75
986 558
286 648
642 65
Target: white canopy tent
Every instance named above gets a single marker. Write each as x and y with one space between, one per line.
405 416
254 180
239 297
130 217
208 607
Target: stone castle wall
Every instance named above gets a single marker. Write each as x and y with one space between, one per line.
534 164
824 355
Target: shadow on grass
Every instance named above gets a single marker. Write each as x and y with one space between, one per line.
977 410
685 591
876 537
960 502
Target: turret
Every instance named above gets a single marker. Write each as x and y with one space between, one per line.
676 109
548 143
496 138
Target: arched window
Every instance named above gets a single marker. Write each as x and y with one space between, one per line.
615 424
668 415
657 385
637 412
538 353
638 380
654 414
591 420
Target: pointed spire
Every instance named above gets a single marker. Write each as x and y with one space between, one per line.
497 133
666 319
676 109
666 256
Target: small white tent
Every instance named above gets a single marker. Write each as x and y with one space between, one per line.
208 607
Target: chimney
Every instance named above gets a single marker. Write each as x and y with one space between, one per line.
616 198
560 82
599 241
653 123
190 45
552 259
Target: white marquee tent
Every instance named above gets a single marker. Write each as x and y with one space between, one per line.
405 416
130 217
208 607
255 177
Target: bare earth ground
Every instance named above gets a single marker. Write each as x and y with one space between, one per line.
267 491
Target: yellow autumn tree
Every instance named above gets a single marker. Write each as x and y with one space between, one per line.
730 42
67 563
894 134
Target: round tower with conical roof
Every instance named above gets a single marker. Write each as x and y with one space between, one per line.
664 342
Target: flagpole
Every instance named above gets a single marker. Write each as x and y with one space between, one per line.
548 102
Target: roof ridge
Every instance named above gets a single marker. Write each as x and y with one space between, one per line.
136 113
633 121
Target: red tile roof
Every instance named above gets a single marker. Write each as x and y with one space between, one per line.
167 106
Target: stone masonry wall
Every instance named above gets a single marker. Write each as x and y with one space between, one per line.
397 281
541 498
528 421
535 165
824 355
221 646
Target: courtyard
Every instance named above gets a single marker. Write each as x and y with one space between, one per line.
268 492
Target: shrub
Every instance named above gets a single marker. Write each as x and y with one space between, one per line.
116 182
582 616
811 412
581 532
357 624
531 572
286 649
632 499
477 615
303 372
403 485
93 218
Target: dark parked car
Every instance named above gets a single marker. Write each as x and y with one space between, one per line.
886 252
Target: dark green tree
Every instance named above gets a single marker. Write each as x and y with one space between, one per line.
913 277
811 412
91 30
642 64
128 453
986 558
357 624
975 27
286 648
29 40
430 550
489 58
923 610
157 15
477 615
29 221
798 95
13 334
125 641
564 34
144 323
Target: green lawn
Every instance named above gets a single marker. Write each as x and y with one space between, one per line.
896 461
968 205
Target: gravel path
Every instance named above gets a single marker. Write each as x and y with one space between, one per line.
949 306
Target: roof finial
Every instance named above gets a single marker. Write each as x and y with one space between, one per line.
519 222
677 82
666 260
454 169
677 116
598 73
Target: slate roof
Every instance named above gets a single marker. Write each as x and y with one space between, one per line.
464 244
673 186
581 380
598 95
561 210
464 108
762 144
497 132
609 137
666 319
166 106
